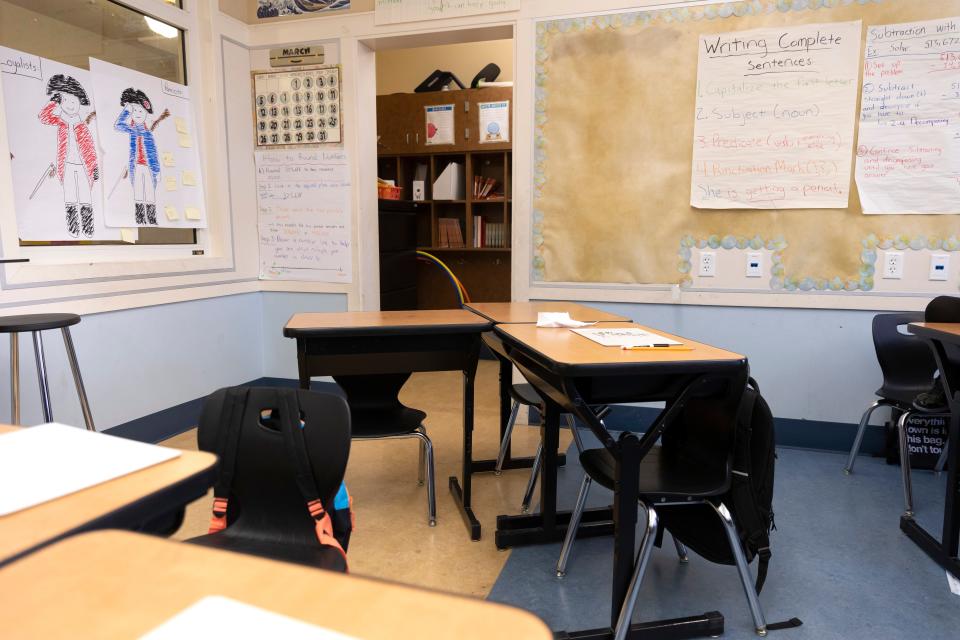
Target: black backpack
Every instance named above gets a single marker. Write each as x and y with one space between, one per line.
751 492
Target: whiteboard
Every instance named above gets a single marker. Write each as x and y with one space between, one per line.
304 203
390 11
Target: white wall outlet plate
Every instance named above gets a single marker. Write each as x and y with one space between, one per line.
893 265
708 264
940 266
754 264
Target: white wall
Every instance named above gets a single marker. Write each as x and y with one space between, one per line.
279 353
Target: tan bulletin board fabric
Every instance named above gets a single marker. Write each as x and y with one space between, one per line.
613 146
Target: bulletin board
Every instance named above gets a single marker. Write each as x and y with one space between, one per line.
613 136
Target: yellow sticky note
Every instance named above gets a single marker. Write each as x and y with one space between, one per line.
188 179
170 182
193 213
172 213
129 235
184 140
167 158
181 125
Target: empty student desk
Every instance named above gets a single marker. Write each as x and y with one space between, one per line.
129 502
365 347
114 584
572 373
944 339
524 313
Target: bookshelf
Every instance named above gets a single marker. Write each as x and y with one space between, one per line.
484 270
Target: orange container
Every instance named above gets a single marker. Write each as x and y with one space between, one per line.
387 192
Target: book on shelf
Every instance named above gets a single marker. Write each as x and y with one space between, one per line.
488 234
483 188
450 234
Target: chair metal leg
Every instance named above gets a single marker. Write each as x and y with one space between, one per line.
532 482
42 377
905 463
422 462
643 558
572 526
577 439
942 460
760 624
78 380
505 443
864 421
681 551
431 492
15 378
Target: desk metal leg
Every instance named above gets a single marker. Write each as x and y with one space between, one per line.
550 437
626 496
462 495
302 368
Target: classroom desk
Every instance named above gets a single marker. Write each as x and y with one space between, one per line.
524 313
114 584
367 349
944 339
129 502
572 372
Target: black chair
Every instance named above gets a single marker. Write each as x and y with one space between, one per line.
266 512
671 479
377 414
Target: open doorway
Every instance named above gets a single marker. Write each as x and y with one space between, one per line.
444 163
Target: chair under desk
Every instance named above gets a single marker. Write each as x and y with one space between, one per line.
153 496
377 350
572 373
944 339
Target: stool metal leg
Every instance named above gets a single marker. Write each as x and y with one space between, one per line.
760 624
864 420
431 492
573 525
15 378
42 376
81 392
422 462
681 551
643 558
942 460
532 482
505 443
905 463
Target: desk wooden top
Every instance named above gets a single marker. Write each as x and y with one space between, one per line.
115 584
946 331
44 523
568 349
433 320
526 312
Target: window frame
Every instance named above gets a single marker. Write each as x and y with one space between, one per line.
49 265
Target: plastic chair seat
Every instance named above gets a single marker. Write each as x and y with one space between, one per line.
661 476
385 422
37 322
315 556
524 393
903 395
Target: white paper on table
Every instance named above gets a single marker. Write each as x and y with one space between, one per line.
559 319
625 337
42 463
908 152
221 617
774 117
41 193
439 124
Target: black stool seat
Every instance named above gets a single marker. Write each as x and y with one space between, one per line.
525 394
385 422
904 395
661 476
314 555
37 322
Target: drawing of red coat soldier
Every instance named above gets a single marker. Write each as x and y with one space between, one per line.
76 154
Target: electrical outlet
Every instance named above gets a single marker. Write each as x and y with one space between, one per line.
940 266
708 264
754 264
893 265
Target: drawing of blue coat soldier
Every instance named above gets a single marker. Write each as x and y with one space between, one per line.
143 165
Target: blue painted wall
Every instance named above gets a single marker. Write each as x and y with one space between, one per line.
279 353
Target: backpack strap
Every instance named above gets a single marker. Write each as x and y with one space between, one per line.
763 561
228 438
297 449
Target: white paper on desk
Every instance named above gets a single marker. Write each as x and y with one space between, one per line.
220 617
39 464
559 319
624 337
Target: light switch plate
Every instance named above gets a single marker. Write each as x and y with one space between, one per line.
940 266
754 264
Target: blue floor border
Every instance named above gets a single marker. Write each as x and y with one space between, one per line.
791 432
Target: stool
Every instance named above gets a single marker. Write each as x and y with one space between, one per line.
35 323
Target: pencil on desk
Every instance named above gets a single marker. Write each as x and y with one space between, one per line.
629 348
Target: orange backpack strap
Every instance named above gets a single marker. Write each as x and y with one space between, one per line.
325 528
228 438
